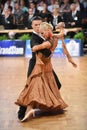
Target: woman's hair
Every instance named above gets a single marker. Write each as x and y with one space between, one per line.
45 26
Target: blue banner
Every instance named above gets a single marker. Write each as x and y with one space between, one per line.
12 48
28 49
22 48
74 47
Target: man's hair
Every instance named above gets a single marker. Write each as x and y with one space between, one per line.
10 8
36 18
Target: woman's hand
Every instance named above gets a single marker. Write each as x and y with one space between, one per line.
60 25
67 54
72 62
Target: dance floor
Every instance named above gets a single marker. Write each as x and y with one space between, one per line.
13 73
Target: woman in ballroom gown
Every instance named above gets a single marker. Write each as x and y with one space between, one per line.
40 91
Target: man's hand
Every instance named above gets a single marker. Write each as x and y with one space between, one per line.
34 48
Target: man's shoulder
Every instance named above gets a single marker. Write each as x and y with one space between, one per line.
36 37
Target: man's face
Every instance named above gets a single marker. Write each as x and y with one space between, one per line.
36 25
30 11
17 6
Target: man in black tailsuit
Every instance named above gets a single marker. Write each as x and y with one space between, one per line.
36 40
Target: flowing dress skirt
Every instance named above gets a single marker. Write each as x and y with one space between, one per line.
41 89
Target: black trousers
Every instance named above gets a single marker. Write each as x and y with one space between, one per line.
57 80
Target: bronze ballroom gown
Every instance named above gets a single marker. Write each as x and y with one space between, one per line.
41 89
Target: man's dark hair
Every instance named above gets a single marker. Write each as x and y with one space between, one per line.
36 18
10 8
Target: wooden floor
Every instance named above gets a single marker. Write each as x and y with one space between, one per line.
13 73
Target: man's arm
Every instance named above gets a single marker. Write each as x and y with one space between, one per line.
35 40
44 45
47 44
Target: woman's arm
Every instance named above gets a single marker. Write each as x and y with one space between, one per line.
54 44
67 54
44 45
60 35
55 39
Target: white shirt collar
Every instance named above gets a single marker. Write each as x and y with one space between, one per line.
39 35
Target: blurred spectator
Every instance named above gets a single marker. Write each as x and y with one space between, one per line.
56 17
73 18
22 6
65 7
28 19
84 16
53 4
79 5
19 16
85 4
7 4
34 8
8 18
45 13
1 7
39 6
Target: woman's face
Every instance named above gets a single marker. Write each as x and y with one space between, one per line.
46 33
